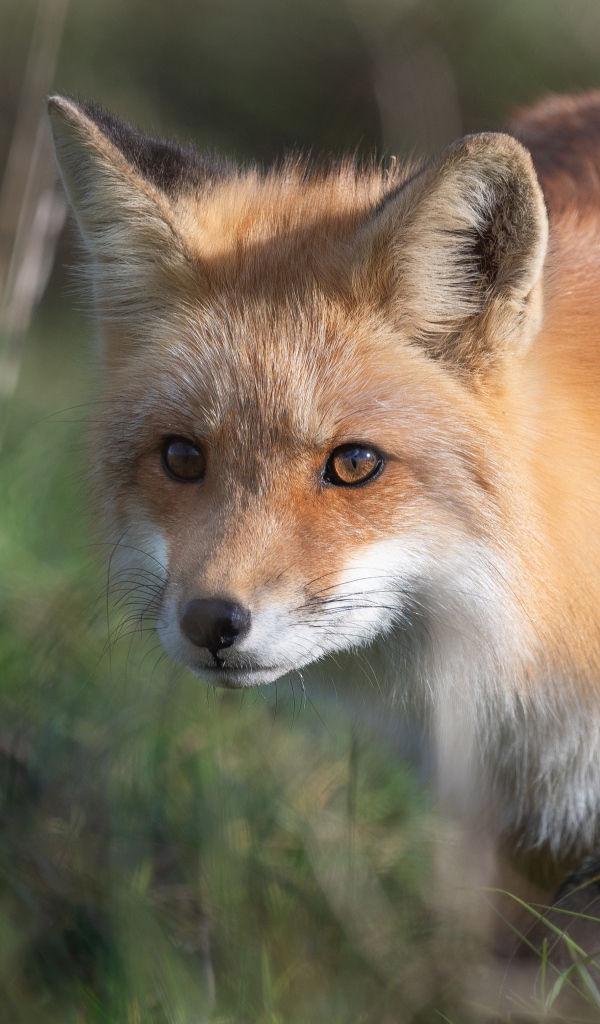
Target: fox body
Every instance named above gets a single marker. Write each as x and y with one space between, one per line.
359 408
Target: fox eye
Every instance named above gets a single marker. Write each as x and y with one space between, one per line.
351 464
183 460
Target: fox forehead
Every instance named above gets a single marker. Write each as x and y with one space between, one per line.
289 212
269 332
287 375
263 379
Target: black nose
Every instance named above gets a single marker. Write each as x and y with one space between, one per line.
213 623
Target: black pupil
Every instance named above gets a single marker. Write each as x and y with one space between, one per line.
352 465
360 459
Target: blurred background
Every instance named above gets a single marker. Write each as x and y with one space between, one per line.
168 853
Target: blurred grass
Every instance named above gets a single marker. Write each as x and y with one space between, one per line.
254 78
170 853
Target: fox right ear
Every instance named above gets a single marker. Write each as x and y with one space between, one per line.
456 255
126 220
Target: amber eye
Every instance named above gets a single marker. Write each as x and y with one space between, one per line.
351 464
183 460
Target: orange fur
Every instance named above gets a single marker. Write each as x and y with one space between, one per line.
271 318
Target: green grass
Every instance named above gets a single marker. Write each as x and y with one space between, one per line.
170 853
174 854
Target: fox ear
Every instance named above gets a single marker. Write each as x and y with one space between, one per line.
120 185
457 253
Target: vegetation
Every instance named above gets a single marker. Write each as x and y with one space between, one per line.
169 853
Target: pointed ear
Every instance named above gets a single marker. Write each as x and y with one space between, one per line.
126 219
456 255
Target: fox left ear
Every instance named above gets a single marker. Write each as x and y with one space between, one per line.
456 255
118 182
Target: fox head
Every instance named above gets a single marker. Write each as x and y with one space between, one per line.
297 451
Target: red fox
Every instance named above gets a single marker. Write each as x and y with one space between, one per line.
360 407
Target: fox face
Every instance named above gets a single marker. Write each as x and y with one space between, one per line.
287 526
298 451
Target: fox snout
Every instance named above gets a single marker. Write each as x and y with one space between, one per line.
214 623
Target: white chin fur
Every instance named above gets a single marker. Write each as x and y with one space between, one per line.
232 679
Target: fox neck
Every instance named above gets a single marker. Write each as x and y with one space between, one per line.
514 744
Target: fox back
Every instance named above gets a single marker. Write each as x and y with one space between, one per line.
357 408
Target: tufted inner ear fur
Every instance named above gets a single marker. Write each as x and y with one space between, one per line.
456 254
